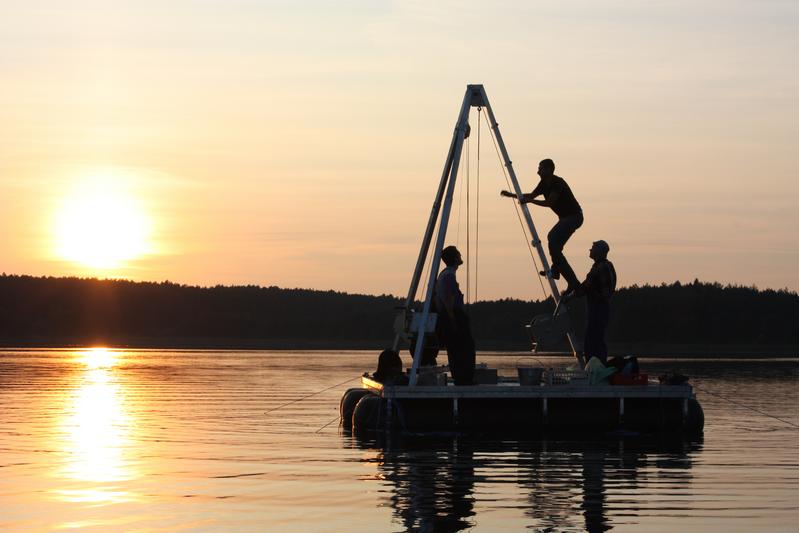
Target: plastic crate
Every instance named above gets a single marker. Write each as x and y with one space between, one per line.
626 379
564 376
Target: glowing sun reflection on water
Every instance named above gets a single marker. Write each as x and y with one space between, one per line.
99 358
97 427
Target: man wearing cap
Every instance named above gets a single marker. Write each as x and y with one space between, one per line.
559 197
453 326
598 288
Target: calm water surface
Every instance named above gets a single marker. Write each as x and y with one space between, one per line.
174 440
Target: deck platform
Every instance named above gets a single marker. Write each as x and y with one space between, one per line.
512 389
508 406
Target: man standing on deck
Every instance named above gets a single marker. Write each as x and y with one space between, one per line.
598 288
453 327
559 197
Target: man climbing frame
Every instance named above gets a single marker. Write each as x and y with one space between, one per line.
559 197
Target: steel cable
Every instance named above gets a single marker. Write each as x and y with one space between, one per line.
517 209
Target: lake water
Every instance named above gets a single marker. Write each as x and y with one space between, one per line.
111 440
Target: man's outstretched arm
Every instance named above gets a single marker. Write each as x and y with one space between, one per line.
527 198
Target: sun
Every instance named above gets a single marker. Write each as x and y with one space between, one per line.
101 225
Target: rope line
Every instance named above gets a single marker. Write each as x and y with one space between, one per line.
460 203
312 394
477 208
746 406
468 219
323 427
517 208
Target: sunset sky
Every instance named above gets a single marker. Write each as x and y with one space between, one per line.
299 144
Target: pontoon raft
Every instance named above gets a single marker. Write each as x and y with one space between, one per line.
503 404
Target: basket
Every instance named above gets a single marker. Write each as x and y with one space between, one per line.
564 376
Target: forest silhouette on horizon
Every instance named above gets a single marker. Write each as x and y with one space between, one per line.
696 317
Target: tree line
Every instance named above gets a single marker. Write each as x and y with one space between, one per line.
47 311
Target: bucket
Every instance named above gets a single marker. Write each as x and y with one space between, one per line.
530 375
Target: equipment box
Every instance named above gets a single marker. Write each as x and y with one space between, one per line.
485 376
635 379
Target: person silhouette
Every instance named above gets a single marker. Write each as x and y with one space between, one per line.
598 288
453 327
559 197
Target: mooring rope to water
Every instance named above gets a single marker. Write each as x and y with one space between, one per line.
323 427
312 394
746 406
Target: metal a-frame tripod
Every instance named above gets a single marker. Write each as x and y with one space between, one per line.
475 97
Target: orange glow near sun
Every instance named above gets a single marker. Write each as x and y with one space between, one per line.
101 225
